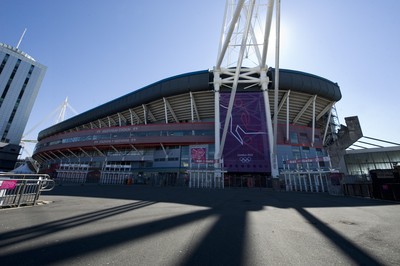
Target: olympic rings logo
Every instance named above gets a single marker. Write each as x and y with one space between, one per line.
245 159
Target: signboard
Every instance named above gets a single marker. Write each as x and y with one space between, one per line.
198 154
308 160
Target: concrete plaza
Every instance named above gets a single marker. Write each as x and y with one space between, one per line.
141 225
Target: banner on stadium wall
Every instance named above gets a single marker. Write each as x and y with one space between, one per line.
246 146
198 154
308 160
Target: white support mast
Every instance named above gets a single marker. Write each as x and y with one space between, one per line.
274 158
20 39
242 60
63 109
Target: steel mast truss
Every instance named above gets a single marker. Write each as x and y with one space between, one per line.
242 60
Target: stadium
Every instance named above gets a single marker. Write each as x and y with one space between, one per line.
165 133
239 124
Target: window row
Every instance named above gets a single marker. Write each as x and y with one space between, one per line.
127 135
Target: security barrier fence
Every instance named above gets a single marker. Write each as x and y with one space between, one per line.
22 189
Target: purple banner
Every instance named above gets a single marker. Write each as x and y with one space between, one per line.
246 146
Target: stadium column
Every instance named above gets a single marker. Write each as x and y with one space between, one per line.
274 166
313 122
217 122
264 79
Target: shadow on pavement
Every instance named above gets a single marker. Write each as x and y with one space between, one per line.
223 244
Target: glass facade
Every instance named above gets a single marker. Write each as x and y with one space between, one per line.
361 162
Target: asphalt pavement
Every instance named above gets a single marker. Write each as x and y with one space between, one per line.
141 225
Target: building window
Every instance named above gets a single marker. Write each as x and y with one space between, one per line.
306 152
296 152
14 111
4 62
319 152
294 138
7 87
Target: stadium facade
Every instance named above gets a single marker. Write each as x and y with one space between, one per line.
164 133
20 80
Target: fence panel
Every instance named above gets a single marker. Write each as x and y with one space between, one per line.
19 190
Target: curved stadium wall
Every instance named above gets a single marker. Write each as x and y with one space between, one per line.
156 134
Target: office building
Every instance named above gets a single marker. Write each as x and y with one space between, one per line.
20 80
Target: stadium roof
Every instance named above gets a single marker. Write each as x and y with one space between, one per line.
369 144
300 83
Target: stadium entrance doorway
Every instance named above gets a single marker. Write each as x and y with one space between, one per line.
246 180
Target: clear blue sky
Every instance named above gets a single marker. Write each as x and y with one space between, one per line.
98 50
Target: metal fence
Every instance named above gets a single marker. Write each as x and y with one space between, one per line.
20 190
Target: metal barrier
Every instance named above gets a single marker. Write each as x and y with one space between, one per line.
20 190
358 190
